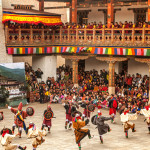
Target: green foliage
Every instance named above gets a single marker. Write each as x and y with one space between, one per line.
15 74
3 94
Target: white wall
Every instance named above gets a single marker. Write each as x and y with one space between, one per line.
7 3
127 15
60 61
47 64
63 11
96 15
27 59
124 15
4 57
137 67
93 63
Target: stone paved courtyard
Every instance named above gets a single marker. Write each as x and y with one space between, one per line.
61 139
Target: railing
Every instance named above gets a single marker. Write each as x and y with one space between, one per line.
78 37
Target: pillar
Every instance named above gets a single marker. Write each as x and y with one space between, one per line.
149 12
41 5
70 15
74 11
4 57
75 72
110 13
111 87
47 64
69 12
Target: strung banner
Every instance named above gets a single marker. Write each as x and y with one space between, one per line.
77 50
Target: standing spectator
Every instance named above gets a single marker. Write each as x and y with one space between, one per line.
39 75
48 82
41 92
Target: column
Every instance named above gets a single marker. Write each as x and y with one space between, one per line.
111 87
110 13
149 12
70 17
75 72
74 11
41 5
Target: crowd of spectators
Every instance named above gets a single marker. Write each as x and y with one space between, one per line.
91 25
99 25
38 33
131 91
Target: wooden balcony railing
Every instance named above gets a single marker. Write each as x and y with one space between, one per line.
78 37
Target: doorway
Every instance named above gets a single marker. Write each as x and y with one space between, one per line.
81 65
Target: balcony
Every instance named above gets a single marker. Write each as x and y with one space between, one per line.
123 37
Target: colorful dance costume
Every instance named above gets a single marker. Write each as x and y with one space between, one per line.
69 109
146 113
86 113
36 135
47 123
125 117
80 133
103 128
18 119
6 140
112 108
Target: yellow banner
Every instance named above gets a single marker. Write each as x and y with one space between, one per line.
32 19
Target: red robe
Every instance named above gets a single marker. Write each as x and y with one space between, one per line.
17 121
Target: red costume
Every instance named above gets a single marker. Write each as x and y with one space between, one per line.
47 123
86 113
112 107
69 109
19 118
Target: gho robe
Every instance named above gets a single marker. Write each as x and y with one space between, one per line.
102 127
79 132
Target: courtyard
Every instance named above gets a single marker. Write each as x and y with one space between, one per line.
61 139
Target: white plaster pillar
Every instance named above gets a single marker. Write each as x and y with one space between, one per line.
47 64
4 57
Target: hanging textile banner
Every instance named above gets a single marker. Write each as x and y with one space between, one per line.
92 50
32 18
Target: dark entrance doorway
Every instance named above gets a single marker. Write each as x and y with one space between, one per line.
123 67
81 65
